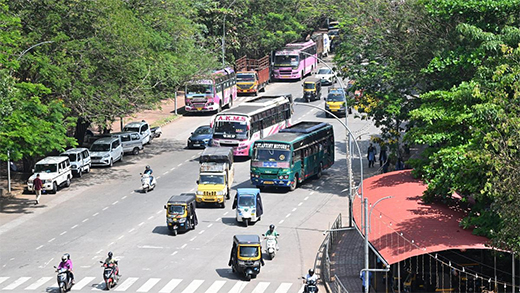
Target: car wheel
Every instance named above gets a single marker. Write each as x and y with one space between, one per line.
135 151
88 169
80 173
111 163
54 188
121 158
67 183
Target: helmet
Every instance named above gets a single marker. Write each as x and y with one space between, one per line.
147 167
64 257
110 254
271 227
311 272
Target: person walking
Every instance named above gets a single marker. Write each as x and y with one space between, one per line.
371 154
382 156
37 183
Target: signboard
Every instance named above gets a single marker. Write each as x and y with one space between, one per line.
272 146
231 118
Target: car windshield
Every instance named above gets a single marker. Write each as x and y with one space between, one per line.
324 71
286 61
249 251
211 179
245 77
72 157
335 98
234 128
203 130
309 86
246 200
45 168
193 89
100 147
268 155
176 210
132 129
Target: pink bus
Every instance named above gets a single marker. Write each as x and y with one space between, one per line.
252 120
210 95
295 60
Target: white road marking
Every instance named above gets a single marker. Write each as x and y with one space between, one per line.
312 192
123 197
51 240
74 227
300 203
16 283
179 165
261 287
202 231
158 212
218 219
149 246
2 279
193 286
150 217
115 202
95 214
288 215
38 283
99 251
120 237
126 284
215 287
84 220
281 221
165 173
306 198
84 282
158 177
172 169
293 210
131 230
175 252
193 238
170 286
46 263
226 213
140 224
86 267
148 285
210 225
63 233
184 245
105 208
301 289
239 286
111 243
39 247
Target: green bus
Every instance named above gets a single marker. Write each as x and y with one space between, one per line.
292 155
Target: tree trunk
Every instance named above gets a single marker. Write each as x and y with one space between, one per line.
81 128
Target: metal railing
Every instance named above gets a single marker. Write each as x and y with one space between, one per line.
322 261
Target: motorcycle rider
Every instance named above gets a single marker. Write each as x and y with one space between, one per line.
149 171
66 263
272 232
311 276
112 260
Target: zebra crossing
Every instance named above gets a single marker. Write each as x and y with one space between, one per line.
153 285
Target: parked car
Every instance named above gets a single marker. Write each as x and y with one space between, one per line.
201 137
79 160
106 151
326 76
142 128
132 142
54 172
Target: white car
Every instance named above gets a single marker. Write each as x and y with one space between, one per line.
54 172
142 128
326 76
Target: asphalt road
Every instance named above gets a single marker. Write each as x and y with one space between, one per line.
104 211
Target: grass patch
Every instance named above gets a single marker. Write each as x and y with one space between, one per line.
165 120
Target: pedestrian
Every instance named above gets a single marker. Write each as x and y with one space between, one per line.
37 183
371 154
365 283
382 156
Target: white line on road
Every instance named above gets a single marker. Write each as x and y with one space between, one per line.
74 227
300 203
123 197
158 177
140 224
63 233
293 210
126 284
149 246
131 230
120 237
84 220
115 202
239 286
172 169
192 190
283 288
175 252
306 198
39 247
95 214
17 283
2 279
312 192
84 282
165 173
193 238
150 217
170 286
38 283
202 231
47 263
215 287
281 221
210 225
261 287
99 251
184 245
179 165
111 243
105 208
158 212
52 240
218 219
288 215
148 285
193 286
226 213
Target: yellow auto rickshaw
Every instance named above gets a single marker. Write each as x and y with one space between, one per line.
246 256
311 89
180 212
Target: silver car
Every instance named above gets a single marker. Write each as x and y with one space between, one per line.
106 151
132 142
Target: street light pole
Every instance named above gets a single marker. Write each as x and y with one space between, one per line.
224 36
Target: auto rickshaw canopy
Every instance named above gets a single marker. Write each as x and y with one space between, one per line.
250 192
311 84
187 199
246 239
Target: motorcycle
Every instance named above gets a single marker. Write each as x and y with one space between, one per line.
109 275
270 244
64 280
311 286
145 182
156 131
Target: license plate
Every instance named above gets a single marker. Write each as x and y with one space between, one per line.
268 182
334 110
198 109
196 144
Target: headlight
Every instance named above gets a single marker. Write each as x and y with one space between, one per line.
200 192
106 155
170 219
205 140
220 192
189 139
182 220
241 262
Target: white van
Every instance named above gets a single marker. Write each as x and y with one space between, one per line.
132 142
142 128
106 151
79 160
54 172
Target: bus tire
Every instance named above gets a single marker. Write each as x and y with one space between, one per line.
219 107
320 171
294 184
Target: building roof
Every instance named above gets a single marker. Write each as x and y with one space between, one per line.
404 226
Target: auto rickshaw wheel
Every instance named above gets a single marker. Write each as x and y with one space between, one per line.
248 277
174 231
246 222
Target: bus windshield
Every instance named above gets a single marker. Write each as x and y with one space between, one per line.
241 77
286 61
199 89
267 155
234 129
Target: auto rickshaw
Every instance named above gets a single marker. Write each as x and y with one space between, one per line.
180 212
311 89
248 204
246 256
